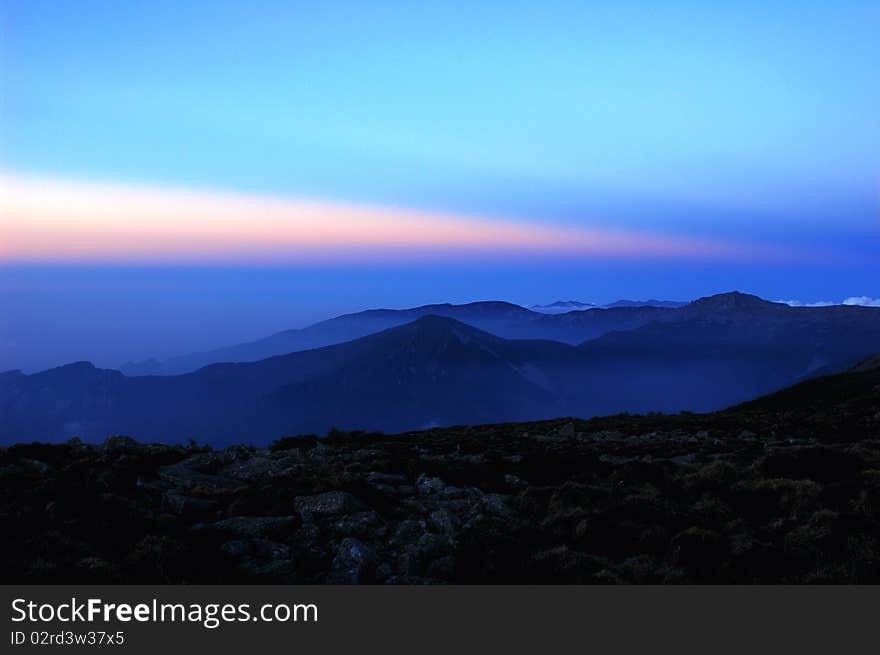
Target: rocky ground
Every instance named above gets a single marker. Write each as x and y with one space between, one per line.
753 495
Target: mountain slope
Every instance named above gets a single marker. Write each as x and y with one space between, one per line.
713 353
433 370
730 349
499 318
490 316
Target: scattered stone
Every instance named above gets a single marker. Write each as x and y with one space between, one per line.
328 503
257 526
353 562
188 506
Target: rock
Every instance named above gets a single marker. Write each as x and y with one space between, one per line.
426 485
236 453
453 492
260 558
699 548
567 430
375 477
98 568
353 562
442 568
188 506
429 545
257 526
383 572
249 469
309 535
496 505
328 503
36 466
407 532
444 522
121 445
186 476
363 524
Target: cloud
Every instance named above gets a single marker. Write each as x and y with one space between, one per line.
48 219
798 303
864 301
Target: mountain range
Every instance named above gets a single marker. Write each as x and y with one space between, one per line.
496 317
433 369
564 306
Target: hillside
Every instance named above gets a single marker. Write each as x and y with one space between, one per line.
782 490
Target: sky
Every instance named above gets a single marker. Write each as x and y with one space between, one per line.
179 176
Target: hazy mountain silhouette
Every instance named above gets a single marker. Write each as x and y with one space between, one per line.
729 348
499 318
563 306
647 303
492 316
435 370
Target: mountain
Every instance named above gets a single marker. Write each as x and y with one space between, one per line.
434 370
646 303
563 306
850 396
492 316
728 349
499 318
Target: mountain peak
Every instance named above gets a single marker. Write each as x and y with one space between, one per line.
76 366
436 324
733 300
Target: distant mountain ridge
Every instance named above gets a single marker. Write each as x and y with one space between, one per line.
647 303
432 371
564 306
491 316
436 370
497 317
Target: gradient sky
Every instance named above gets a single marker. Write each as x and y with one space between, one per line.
177 175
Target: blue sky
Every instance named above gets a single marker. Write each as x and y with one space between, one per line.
753 123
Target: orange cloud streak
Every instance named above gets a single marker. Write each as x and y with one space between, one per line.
44 219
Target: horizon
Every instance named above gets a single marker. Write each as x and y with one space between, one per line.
176 181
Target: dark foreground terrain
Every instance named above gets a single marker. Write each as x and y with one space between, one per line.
782 490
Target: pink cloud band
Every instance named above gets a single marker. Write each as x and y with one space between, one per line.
50 219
